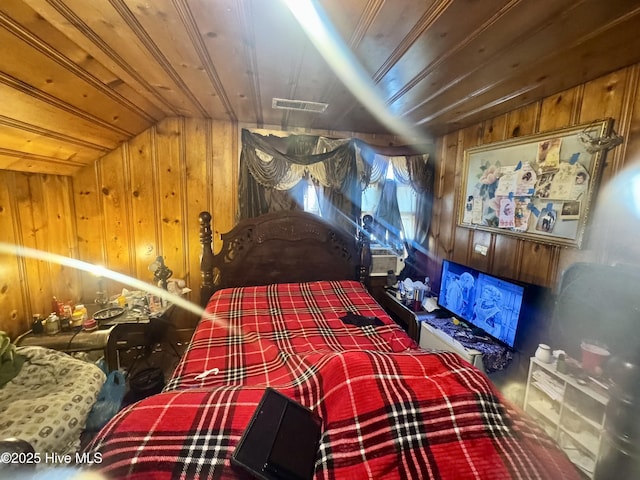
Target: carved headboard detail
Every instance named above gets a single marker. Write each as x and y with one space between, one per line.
283 247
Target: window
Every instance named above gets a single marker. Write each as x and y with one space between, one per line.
311 203
371 196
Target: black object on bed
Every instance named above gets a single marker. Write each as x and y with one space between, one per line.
281 441
361 320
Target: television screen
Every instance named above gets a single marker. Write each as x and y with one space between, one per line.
482 300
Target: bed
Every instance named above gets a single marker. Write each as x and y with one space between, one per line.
389 409
48 402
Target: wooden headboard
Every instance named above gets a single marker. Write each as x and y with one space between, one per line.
283 247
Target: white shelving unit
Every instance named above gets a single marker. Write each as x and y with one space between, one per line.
571 413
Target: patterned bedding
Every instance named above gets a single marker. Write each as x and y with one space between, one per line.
389 409
47 404
273 334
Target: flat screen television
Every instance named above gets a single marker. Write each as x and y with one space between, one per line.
491 304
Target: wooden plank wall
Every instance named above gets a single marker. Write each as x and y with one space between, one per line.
139 201
616 95
36 212
143 199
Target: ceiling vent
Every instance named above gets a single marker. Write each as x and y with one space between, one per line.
299 105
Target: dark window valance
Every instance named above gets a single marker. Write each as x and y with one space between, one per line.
274 171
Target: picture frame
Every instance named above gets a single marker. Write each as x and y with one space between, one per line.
539 187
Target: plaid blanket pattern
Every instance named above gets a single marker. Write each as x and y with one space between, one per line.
406 415
389 409
273 334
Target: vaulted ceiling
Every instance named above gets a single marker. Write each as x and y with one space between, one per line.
77 77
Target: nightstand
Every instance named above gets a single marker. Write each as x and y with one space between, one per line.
122 334
402 314
71 341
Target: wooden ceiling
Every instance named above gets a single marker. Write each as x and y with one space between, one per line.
77 77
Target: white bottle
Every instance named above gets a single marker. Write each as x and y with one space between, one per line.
52 325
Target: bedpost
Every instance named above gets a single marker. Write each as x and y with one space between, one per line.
206 258
364 244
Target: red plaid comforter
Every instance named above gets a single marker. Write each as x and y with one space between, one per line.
389 410
272 335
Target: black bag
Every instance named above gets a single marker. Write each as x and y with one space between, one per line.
146 382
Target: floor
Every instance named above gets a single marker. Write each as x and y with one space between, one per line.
163 357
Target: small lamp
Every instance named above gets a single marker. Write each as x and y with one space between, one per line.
101 294
161 273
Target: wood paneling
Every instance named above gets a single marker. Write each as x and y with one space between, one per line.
79 77
37 213
150 191
13 287
139 201
616 95
142 199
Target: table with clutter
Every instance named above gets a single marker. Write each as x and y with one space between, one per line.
412 303
118 324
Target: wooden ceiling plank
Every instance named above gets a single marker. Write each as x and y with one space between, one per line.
20 128
183 45
537 50
35 165
350 19
35 111
77 64
429 39
450 28
34 30
352 22
69 38
277 35
227 39
100 30
392 28
42 72
152 48
611 51
31 142
389 34
494 40
166 29
22 87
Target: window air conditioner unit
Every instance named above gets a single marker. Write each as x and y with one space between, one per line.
383 260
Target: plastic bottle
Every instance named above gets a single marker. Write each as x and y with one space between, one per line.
561 365
79 315
57 306
65 318
81 308
52 325
37 327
